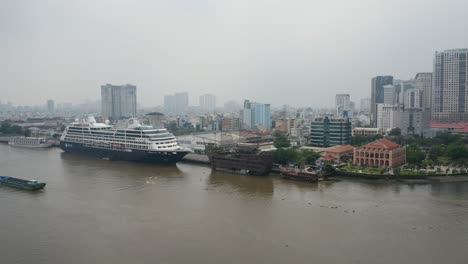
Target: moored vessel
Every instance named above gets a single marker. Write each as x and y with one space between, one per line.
136 142
244 158
22 184
30 142
302 174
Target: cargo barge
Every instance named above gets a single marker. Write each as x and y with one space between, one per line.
22 184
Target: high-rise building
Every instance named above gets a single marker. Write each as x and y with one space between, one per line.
450 93
365 104
256 116
342 104
423 82
377 95
388 117
413 99
208 103
50 106
328 132
118 101
177 103
414 121
389 94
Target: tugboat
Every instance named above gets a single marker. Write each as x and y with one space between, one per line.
306 174
244 159
22 184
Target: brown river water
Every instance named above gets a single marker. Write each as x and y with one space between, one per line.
100 211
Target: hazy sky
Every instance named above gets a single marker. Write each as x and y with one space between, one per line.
297 52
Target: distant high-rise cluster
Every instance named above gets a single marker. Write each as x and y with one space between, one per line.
177 103
118 101
377 95
256 116
208 103
450 93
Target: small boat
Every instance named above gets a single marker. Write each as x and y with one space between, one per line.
306 174
22 184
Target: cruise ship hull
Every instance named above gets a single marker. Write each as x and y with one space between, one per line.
167 157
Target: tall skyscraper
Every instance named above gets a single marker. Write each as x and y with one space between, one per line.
177 103
256 116
208 103
118 101
342 103
50 106
423 82
377 95
450 93
389 95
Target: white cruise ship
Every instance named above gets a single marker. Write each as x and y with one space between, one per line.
135 143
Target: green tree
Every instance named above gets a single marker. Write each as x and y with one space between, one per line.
456 152
307 157
281 141
414 155
285 156
395 132
27 132
436 151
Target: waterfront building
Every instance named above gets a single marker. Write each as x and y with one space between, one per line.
381 153
342 104
208 103
327 132
176 103
339 152
388 117
450 93
256 116
377 95
366 131
423 83
118 101
50 106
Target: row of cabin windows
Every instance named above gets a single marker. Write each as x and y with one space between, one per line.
169 136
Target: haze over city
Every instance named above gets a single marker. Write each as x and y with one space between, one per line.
283 52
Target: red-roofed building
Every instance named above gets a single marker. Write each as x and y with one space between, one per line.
460 128
339 151
381 153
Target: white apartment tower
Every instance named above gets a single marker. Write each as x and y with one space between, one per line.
388 117
449 92
208 103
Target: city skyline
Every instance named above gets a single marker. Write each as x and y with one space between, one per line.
245 49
